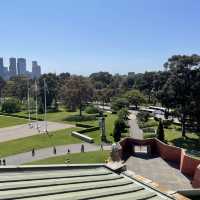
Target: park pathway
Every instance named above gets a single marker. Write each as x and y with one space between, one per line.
21 131
134 129
21 158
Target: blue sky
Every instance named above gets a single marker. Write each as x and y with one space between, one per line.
85 36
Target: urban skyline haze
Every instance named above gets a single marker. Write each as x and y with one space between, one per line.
82 37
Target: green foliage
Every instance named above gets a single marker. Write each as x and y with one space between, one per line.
119 103
135 97
78 118
119 124
143 116
91 109
160 131
123 114
76 92
11 106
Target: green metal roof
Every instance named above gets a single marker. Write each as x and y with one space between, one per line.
72 182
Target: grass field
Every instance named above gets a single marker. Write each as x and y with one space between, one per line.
173 136
60 137
76 158
6 121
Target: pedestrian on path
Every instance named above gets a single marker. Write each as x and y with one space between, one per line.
54 150
82 148
0 161
101 147
33 152
4 161
68 151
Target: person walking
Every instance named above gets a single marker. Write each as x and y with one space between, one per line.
4 161
54 150
82 148
33 152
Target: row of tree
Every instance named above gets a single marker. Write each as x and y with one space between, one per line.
176 87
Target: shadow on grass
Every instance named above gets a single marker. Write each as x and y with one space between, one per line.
191 145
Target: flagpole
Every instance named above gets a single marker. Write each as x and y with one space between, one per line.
28 99
45 106
36 105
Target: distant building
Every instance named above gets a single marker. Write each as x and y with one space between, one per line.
1 62
13 67
36 70
21 66
3 70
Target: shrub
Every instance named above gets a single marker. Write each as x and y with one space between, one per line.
11 106
143 116
91 109
78 118
118 129
123 114
166 123
160 131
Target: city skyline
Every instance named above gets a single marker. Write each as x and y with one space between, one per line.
18 67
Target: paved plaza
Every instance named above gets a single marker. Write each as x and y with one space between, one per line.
166 174
24 130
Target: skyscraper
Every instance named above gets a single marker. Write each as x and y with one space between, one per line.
36 70
1 62
13 67
21 66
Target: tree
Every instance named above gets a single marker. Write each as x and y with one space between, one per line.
2 84
119 103
51 89
180 84
118 129
76 92
135 97
11 106
160 131
123 114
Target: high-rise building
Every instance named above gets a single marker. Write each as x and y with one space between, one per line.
36 70
1 62
13 67
21 66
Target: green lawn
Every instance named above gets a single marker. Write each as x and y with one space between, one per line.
11 121
109 121
60 137
173 136
76 158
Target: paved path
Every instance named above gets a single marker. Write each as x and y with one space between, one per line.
134 129
160 171
21 131
21 158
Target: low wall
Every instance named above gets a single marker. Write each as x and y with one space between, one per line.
187 164
196 178
168 152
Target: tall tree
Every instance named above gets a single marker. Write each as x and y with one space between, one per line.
76 92
51 87
135 97
180 85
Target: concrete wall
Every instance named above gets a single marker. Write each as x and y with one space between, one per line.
188 165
